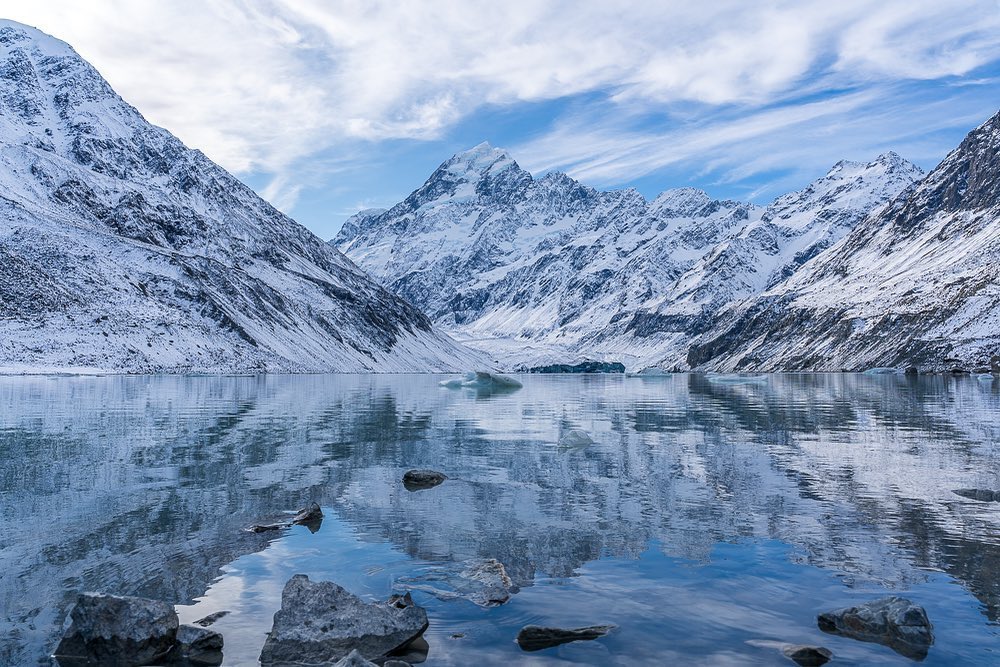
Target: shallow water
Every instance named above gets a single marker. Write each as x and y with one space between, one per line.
706 514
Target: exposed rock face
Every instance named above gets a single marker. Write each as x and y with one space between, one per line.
546 271
916 283
116 630
124 250
416 480
892 621
320 622
536 638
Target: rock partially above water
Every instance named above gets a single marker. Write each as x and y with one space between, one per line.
416 480
211 618
310 514
198 646
321 622
536 638
114 630
984 495
893 621
482 581
807 656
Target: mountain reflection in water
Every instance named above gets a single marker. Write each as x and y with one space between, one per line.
704 515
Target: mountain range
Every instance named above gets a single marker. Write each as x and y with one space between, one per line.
125 251
874 264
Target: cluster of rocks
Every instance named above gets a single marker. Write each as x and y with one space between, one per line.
121 631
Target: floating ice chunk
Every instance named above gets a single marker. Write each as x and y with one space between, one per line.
882 370
575 438
651 371
737 379
483 380
986 377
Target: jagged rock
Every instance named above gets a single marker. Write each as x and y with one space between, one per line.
321 622
311 517
415 480
807 656
198 645
979 494
536 638
211 618
117 630
482 581
575 438
892 621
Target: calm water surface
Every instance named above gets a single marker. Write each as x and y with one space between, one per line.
706 515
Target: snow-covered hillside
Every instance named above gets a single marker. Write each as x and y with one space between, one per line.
917 283
537 271
123 250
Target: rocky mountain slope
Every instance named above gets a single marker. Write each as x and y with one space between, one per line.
916 283
539 271
123 250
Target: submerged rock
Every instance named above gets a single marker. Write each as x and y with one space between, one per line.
321 622
807 656
198 645
416 480
482 581
536 637
984 495
892 621
118 630
211 618
575 438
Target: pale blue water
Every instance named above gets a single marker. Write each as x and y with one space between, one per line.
706 515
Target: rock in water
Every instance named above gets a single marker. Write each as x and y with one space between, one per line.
311 517
536 638
807 656
211 618
575 438
893 621
984 495
115 630
482 581
199 645
320 622
415 480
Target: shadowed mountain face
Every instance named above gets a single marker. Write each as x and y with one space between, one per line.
142 485
124 250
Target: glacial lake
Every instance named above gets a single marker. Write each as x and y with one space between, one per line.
706 515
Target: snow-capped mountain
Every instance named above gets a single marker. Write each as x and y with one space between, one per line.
916 283
123 250
547 270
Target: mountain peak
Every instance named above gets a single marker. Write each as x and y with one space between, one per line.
481 158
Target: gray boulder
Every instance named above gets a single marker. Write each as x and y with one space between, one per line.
416 480
320 622
116 631
893 621
198 646
536 637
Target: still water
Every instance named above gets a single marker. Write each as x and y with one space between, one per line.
706 514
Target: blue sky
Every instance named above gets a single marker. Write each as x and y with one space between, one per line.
328 107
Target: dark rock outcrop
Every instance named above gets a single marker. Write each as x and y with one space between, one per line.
416 480
893 621
115 630
807 656
198 646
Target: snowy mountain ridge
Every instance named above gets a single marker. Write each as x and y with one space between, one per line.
547 270
125 251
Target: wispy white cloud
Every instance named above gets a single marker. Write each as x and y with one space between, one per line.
263 86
